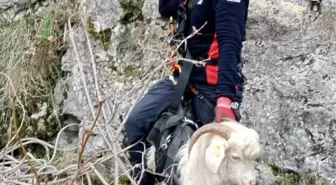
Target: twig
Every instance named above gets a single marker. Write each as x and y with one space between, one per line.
31 164
135 86
88 179
116 173
121 127
80 66
85 87
122 166
14 123
15 182
38 141
84 82
86 136
21 104
142 163
100 99
57 140
195 31
101 178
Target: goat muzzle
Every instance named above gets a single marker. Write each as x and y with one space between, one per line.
214 128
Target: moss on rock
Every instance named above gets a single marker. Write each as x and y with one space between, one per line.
130 71
290 177
103 36
129 52
132 10
284 177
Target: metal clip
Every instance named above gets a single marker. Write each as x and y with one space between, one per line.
164 146
169 138
190 121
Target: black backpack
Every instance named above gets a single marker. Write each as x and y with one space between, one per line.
168 134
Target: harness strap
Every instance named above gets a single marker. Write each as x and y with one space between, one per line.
181 85
183 13
184 10
201 97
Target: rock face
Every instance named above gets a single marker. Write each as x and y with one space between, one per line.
124 49
290 69
290 66
17 9
289 95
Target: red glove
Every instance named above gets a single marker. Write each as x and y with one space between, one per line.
223 109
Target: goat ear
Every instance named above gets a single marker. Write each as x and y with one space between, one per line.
215 153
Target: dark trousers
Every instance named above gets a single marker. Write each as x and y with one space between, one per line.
148 110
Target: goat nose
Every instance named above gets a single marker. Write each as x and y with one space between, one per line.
252 182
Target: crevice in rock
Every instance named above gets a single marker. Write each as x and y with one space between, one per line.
67 117
103 36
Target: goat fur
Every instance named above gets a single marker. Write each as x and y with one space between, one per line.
150 158
194 169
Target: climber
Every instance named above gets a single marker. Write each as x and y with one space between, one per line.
219 81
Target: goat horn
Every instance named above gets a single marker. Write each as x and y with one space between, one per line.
215 128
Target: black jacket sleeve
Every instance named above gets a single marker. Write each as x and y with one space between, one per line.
168 8
230 16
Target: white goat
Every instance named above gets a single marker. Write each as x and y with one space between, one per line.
218 154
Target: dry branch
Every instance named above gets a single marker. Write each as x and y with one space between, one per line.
45 171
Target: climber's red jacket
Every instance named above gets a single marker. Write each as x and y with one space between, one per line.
221 39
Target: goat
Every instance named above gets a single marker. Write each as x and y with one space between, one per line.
217 154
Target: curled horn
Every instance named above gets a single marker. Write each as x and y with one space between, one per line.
215 128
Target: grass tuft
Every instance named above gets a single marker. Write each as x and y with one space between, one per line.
30 54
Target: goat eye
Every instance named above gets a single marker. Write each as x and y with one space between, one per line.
235 157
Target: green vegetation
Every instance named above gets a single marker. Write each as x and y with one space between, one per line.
104 36
284 177
132 10
30 61
289 177
130 71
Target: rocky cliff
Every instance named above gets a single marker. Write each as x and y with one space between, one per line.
114 46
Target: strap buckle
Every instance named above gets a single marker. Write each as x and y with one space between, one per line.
190 121
164 146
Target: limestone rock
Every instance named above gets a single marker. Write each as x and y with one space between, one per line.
123 54
105 14
290 69
17 9
289 94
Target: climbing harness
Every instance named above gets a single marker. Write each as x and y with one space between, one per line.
178 29
176 124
